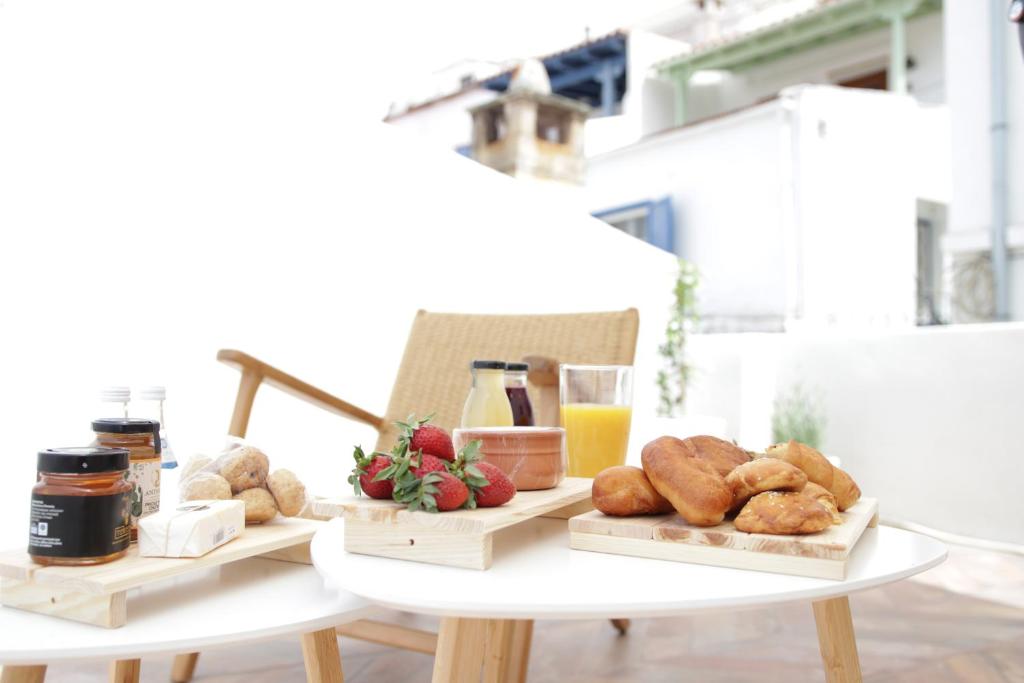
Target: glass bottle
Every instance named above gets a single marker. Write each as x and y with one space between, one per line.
114 400
487 404
150 406
518 397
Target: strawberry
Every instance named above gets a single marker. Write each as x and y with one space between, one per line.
435 492
364 477
424 463
499 491
488 485
430 439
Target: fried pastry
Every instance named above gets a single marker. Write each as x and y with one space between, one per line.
624 491
825 498
724 456
696 490
815 465
845 489
765 474
783 513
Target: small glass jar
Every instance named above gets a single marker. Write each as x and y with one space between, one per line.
487 404
518 397
80 506
142 440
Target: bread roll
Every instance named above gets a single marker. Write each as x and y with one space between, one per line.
289 493
245 468
724 456
758 476
784 513
624 491
695 489
259 505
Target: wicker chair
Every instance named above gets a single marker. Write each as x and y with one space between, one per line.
433 376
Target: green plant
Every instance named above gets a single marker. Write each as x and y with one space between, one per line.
796 415
673 378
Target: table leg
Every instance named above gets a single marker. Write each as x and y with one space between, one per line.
837 641
460 650
507 652
621 625
320 653
23 674
184 667
125 671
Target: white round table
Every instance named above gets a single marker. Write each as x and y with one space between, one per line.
536 575
239 602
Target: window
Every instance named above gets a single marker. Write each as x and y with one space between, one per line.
652 221
552 125
495 126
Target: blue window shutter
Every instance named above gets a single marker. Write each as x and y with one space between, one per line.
661 225
465 150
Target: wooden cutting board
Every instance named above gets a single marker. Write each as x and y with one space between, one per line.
98 594
460 538
667 537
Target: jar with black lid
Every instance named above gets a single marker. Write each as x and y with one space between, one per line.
81 502
142 440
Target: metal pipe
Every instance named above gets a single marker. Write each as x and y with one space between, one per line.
1000 258
898 52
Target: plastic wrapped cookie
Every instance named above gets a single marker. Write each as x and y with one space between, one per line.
289 493
259 505
244 468
206 486
195 465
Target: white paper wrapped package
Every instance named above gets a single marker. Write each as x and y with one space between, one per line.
191 529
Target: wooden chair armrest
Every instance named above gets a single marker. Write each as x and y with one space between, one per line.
254 372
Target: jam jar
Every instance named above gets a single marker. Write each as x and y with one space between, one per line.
80 510
142 439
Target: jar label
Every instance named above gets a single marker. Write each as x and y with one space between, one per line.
144 476
79 526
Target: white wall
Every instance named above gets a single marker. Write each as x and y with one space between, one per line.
927 420
446 122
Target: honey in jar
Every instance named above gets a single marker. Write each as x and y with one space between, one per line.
141 439
80 506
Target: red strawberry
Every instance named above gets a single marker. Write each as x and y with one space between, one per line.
435 492
367 467
422 464
499 491
432 440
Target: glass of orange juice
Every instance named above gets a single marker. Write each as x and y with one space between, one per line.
596 409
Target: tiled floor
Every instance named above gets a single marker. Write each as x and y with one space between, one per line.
962 621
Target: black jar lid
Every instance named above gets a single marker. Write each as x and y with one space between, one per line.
85 460
489 365
125 425
517 367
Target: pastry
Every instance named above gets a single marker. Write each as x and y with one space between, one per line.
824 497
206 486
783 512
259 505
289 493
724 456
765 474
623 491
819 470
245 468
696 490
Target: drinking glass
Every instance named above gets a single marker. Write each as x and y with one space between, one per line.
596 408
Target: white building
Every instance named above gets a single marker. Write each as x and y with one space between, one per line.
822 206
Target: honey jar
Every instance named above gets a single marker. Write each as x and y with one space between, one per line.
141 439
80 506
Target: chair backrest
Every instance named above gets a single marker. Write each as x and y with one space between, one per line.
434 374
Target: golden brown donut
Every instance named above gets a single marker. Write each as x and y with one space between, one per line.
623 491
825 498
695 489
758 476
784 513
845 489
722 455
815 465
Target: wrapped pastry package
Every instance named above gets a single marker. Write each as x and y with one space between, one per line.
191 529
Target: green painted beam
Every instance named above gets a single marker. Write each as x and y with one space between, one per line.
831 23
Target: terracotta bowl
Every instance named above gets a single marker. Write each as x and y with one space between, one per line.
532 457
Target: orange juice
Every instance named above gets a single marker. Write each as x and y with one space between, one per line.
596 436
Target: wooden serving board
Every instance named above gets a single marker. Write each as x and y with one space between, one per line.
822 555
460 538
98 594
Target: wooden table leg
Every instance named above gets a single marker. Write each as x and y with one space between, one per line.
125 671
519 660
184 667
837 641
621 625
507 652
460 650
320 653
23 674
